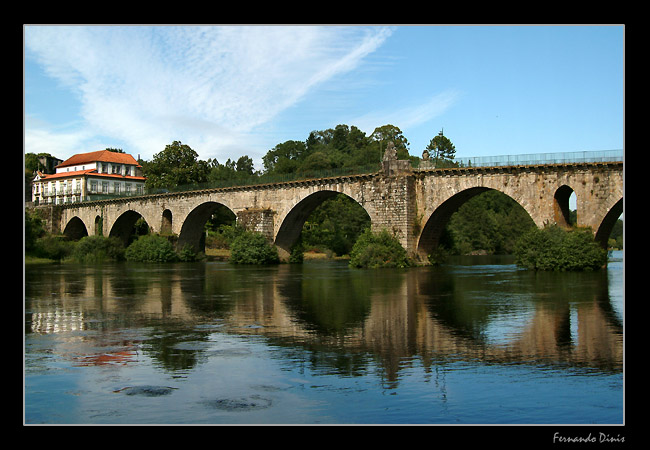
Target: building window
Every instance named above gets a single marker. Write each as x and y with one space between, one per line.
116 188
104 187
93 186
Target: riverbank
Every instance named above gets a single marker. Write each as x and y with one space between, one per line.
212 254
223 254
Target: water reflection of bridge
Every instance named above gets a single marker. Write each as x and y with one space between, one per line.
403 322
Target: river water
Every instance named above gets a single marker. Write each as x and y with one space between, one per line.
476 341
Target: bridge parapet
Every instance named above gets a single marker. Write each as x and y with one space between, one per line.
531 159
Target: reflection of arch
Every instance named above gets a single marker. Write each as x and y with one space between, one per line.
607 224
192 231
293 222
561 206
166 225
437 221
75 229
123 226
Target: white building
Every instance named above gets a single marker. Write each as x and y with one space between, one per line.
86 174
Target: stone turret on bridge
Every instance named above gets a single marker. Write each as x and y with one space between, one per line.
414 205
392 166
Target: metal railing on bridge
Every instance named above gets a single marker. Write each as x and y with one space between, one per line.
479 161
530 159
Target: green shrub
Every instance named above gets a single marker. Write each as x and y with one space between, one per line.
187 254
253 248
381 249
33 230
53 247
297 253
151 248
229 233
96 249
554 248
438 256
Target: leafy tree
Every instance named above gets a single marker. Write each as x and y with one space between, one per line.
318 140
283 158
33 229
245 165
316 162
386 133
176 165
242 169
32 164
440 147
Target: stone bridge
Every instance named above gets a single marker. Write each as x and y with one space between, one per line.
414 204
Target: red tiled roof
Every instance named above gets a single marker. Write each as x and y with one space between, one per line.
51 176
92 172
101 155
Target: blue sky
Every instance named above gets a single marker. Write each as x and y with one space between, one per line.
229 91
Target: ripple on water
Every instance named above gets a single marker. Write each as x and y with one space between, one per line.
146 391
250 403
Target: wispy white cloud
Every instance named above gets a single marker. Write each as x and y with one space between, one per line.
209 87
410 116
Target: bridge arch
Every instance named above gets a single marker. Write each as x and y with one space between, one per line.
607 223
435 224
166 222
293 222
561 209
99 225
123 226
75 229
192 231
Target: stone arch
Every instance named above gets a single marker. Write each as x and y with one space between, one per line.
75 229
608 222
292 224
192 230
166 224
561 210
437 221
123 227
99 225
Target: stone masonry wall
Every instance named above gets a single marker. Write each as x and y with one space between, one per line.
402 201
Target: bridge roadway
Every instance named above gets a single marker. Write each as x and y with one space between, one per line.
414 204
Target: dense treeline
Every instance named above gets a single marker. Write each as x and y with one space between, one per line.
340 147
